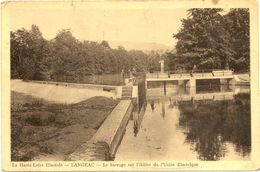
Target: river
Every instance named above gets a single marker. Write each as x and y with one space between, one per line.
213 124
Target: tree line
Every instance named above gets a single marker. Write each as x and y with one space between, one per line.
35 58
207 39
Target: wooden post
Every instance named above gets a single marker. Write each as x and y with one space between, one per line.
192 86
185 83
223 81
228 81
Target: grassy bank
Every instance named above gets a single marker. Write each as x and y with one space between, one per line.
41 130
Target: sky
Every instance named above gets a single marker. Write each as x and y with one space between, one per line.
142 24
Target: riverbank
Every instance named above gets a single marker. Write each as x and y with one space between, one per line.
43 130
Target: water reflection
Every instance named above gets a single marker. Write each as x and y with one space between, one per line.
173 104
210 125
137 119
152 105
163 109
213 124
136 123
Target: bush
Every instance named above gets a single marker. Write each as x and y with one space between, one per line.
39 118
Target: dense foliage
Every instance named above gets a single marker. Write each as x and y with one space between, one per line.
64 57
211 125
211 40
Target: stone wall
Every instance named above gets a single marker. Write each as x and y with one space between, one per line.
104 144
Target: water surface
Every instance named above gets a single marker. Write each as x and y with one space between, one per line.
214 124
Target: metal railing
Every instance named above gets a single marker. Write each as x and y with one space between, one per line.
189 73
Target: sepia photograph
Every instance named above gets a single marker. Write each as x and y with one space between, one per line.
127 82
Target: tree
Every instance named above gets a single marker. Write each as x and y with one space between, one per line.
65 55
105 44
200 39
67 59
237 24
140 60
210 40
28 51
153 61
39 53
18 51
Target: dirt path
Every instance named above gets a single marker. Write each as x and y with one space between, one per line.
57 94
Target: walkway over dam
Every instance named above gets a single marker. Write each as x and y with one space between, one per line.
189 79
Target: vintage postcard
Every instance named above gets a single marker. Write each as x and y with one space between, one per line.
130 85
